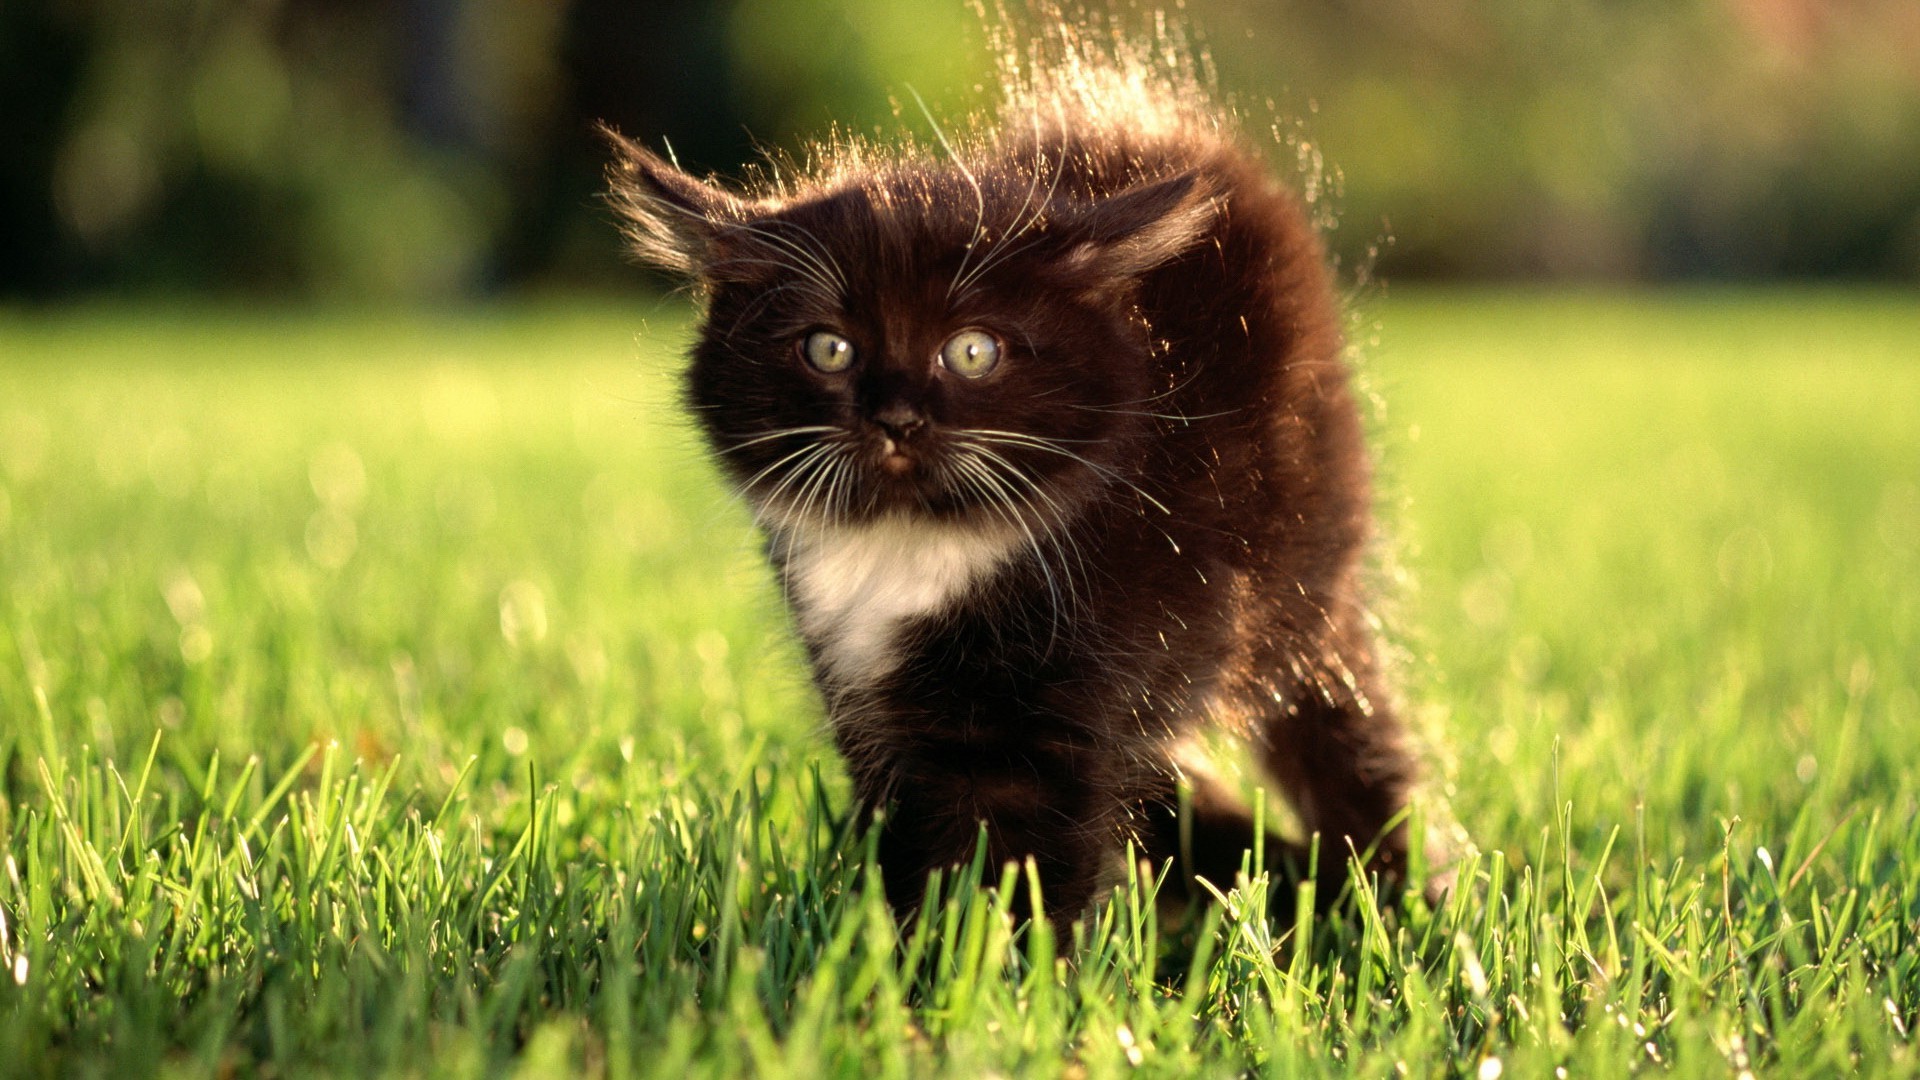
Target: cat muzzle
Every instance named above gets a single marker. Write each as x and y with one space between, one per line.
893 460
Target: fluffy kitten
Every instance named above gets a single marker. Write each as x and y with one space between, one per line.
1056 460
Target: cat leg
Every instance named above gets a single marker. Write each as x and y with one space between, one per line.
1200 823
1340 755
1054 808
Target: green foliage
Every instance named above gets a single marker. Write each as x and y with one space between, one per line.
442 149
403 696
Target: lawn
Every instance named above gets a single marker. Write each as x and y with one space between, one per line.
402 694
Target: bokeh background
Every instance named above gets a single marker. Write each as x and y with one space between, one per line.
438 149
388 685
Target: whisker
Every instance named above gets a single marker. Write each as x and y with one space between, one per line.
788 537
995 458
817 263
810 492
1006 248
997 497
1036 442
1177 417
1060 534
762 474
782 433
814 254
979 195
766 513
1164 394
840 489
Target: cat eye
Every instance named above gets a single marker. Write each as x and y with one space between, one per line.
970 353
827 352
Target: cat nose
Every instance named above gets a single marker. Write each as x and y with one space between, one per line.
900 420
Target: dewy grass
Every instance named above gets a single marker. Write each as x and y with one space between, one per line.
386 695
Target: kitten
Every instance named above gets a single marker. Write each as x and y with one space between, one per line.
1057 463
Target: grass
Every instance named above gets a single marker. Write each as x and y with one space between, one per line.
400 695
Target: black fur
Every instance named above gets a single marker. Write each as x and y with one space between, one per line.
1168 448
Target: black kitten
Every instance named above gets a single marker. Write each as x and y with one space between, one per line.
1056 459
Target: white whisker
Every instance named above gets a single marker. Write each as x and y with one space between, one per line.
1006 247
1051 446
1005 496
979 195
762 474
782 433
1060 534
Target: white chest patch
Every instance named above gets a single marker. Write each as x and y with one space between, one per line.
853 586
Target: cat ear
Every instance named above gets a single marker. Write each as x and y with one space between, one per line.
1127 234
669 217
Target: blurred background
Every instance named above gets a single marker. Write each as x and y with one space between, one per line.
438 149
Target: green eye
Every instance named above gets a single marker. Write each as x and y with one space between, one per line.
971 353
827 352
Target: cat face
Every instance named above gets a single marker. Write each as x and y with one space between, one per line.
918 343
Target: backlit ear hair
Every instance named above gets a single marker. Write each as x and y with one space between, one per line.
669 217
1127 234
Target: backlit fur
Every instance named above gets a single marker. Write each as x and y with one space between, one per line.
1023 592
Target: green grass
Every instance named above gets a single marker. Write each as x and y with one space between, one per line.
402 695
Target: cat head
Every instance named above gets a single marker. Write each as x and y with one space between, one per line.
919 340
